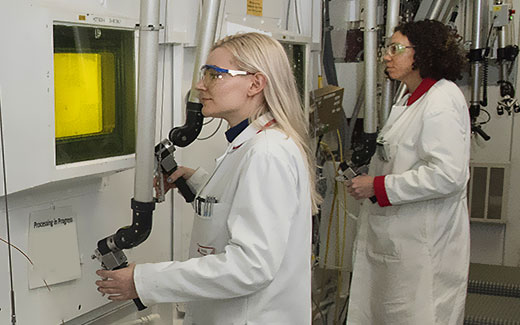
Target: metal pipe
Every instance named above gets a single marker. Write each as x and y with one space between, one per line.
447 11
182 136
476 45
476 32
392 19
147 99
436 9
502 71
206 38
370 46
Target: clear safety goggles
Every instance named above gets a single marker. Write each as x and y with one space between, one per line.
396 49
209 73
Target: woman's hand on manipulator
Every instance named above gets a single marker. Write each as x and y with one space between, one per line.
361 187
118 284
181 171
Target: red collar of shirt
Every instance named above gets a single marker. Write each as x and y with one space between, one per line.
423 87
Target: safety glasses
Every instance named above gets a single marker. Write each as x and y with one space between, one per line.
210 73
396 49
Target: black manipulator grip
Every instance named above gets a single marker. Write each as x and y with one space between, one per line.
185 190
138 303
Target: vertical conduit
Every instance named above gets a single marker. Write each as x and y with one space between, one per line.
147 99
476 45
206 38
392 20
502 43
370 36
436 9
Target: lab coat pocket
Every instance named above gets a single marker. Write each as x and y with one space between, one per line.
415 218
210 231
381 243
386 155
215 312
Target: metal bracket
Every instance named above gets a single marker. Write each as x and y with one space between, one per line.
150 28
111 260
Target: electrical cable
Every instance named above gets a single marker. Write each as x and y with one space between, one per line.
340 146
336 244
327 149
509 68
488 117
485 74
321 63
26 257
18 249
222 7
319 311
349 215
212 134
337 261
211 120
512 29
334 199
344 310
328 55
342 256
338 258
318 145
485 67
163 69
10 260
489 36
162 92
287 16
339 247
343 239
297 14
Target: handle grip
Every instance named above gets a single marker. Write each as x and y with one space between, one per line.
139 304
477 129
185 190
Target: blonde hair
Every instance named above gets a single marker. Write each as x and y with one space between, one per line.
254 52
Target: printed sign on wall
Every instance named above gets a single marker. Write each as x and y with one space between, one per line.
53 247
254 7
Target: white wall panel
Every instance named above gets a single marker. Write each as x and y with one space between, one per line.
101 202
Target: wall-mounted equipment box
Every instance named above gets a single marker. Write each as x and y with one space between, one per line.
94 93
67 90
326 108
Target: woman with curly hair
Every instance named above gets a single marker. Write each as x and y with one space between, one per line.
412 249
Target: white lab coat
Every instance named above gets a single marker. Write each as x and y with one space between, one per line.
411 258
251 259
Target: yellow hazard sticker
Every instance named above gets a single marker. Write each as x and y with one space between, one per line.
254 7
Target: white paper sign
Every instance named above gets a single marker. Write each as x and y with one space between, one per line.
53 247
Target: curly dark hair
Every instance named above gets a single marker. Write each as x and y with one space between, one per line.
438 54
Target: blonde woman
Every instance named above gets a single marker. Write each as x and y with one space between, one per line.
251 242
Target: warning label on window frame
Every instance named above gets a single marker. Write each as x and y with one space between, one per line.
254 7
